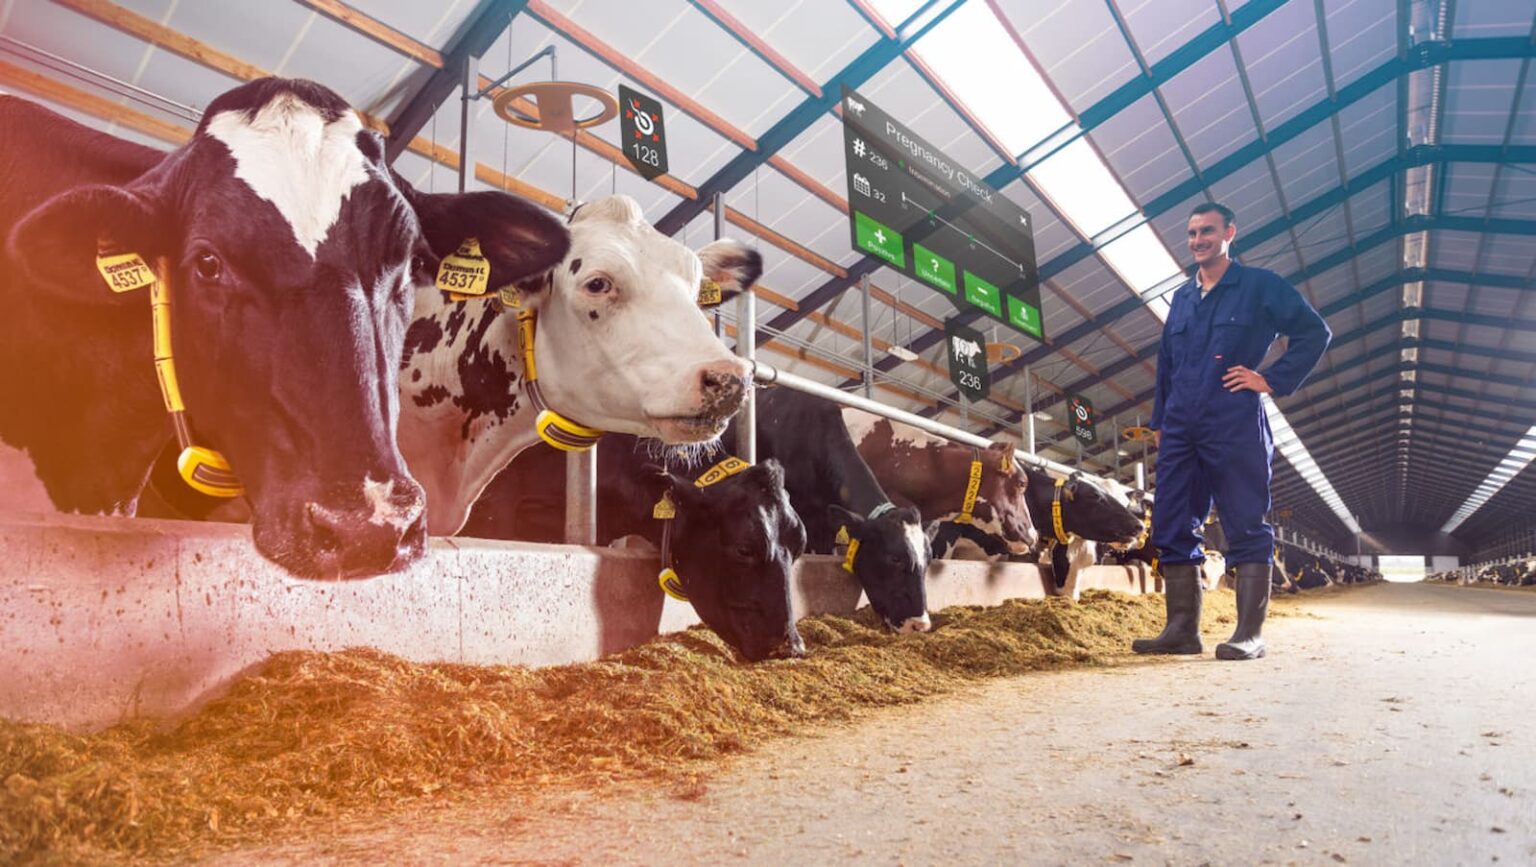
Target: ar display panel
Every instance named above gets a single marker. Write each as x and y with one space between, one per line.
916 210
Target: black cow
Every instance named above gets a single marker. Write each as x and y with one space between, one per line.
831 487
732 545
290 253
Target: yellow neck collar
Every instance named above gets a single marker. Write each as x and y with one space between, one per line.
552 427
1062 535
203 469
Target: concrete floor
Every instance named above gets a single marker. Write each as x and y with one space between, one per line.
1393 727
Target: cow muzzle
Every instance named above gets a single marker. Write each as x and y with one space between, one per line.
719 390
915 624
383 530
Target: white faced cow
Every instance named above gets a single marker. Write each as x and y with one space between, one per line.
620 345
292 252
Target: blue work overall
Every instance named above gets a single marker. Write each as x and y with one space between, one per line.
1216 444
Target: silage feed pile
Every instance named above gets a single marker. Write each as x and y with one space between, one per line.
325 734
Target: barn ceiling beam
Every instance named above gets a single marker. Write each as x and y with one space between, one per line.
1422 57
476 37
860 70
1211 39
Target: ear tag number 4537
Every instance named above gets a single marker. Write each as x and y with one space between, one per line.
466 274
124 272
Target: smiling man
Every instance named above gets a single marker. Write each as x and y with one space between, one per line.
1213 437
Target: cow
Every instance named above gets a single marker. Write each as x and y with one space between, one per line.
732 540
933 475
618 344
279 253
833 490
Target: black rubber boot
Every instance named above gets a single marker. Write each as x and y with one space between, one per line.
1181 595
1252 605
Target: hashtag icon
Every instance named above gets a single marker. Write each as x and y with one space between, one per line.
858 148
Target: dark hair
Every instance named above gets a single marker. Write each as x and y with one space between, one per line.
1227 217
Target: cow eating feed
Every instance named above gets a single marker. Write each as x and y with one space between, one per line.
289 253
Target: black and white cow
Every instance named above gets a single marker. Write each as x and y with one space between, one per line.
732 542
620 345
831 487
292 252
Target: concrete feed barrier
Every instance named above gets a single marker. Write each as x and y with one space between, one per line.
106 619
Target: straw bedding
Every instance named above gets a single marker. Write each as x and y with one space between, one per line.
324 735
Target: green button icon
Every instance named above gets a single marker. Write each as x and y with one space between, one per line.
878 239
932 267
983 294
1025 317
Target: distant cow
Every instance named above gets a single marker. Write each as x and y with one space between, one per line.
832 488
933 475
289 251
619 344
732 541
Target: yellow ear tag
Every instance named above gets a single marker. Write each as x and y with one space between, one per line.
853 551
466 274
709 293
842 536
124 272
665 509
671 584
512 298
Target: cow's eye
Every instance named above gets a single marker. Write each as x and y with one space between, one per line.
744 552
598 285
208 266
418 265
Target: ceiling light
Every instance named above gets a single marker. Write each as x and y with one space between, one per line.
902 352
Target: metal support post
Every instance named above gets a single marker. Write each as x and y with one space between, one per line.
1029 411
868 372
468 88
581 497
1115 460
746 347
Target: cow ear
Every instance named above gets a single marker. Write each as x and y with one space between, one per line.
731 264
57 243
769 475
519 238
659 480
844 518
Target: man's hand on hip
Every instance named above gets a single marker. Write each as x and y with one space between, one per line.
1239 378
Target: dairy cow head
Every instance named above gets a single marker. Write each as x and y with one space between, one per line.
622 345
733 544
1094 512
890 563
1004 495
292 252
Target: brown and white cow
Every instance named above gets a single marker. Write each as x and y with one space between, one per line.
932 474
292 253
620 345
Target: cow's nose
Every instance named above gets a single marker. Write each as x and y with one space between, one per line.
915 624
723 383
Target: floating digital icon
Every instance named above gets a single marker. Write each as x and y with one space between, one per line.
861 184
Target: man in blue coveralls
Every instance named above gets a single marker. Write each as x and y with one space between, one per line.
1213 437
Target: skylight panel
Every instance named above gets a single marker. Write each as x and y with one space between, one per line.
1083 189
1290 447
972 52
1513 464
1141 259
